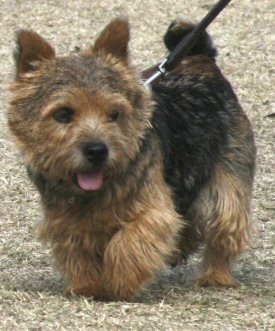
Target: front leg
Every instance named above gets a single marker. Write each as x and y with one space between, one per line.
75 254
137 252
80 267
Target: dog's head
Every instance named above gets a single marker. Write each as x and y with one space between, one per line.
81 118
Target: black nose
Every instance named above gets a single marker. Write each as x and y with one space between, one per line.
95 152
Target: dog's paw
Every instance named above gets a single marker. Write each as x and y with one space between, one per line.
217 279
87 291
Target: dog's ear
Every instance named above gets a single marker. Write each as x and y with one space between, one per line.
30 50
114 40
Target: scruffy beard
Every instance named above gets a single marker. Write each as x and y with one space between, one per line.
83 180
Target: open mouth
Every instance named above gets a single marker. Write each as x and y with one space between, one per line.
91 180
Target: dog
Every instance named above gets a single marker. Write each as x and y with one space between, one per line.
132 180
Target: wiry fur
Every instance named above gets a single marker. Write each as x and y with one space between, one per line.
179 170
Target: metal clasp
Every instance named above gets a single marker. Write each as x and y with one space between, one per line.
161 71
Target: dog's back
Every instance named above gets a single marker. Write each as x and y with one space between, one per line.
197 113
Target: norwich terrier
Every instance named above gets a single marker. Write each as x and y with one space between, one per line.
130 179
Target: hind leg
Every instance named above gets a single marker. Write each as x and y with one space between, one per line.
226 203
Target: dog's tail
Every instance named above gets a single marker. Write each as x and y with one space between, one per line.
179 28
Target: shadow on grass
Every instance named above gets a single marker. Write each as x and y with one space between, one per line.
177 282
34 281
255 281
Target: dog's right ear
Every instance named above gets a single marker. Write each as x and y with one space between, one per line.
30 50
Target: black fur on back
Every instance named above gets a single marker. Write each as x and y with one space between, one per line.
192 122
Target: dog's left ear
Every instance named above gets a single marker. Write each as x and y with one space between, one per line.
114 39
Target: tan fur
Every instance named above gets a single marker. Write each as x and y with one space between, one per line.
227 227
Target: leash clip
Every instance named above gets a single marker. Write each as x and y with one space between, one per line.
162 68
160 71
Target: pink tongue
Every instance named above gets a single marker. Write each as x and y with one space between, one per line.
90 181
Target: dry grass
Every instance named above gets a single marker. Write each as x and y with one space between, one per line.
30 291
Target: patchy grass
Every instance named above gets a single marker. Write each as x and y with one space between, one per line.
30 291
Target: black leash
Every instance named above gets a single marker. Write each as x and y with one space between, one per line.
185 45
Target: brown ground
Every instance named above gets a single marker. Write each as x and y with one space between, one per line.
30 291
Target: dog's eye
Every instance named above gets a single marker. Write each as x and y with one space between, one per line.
63 115
114 115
